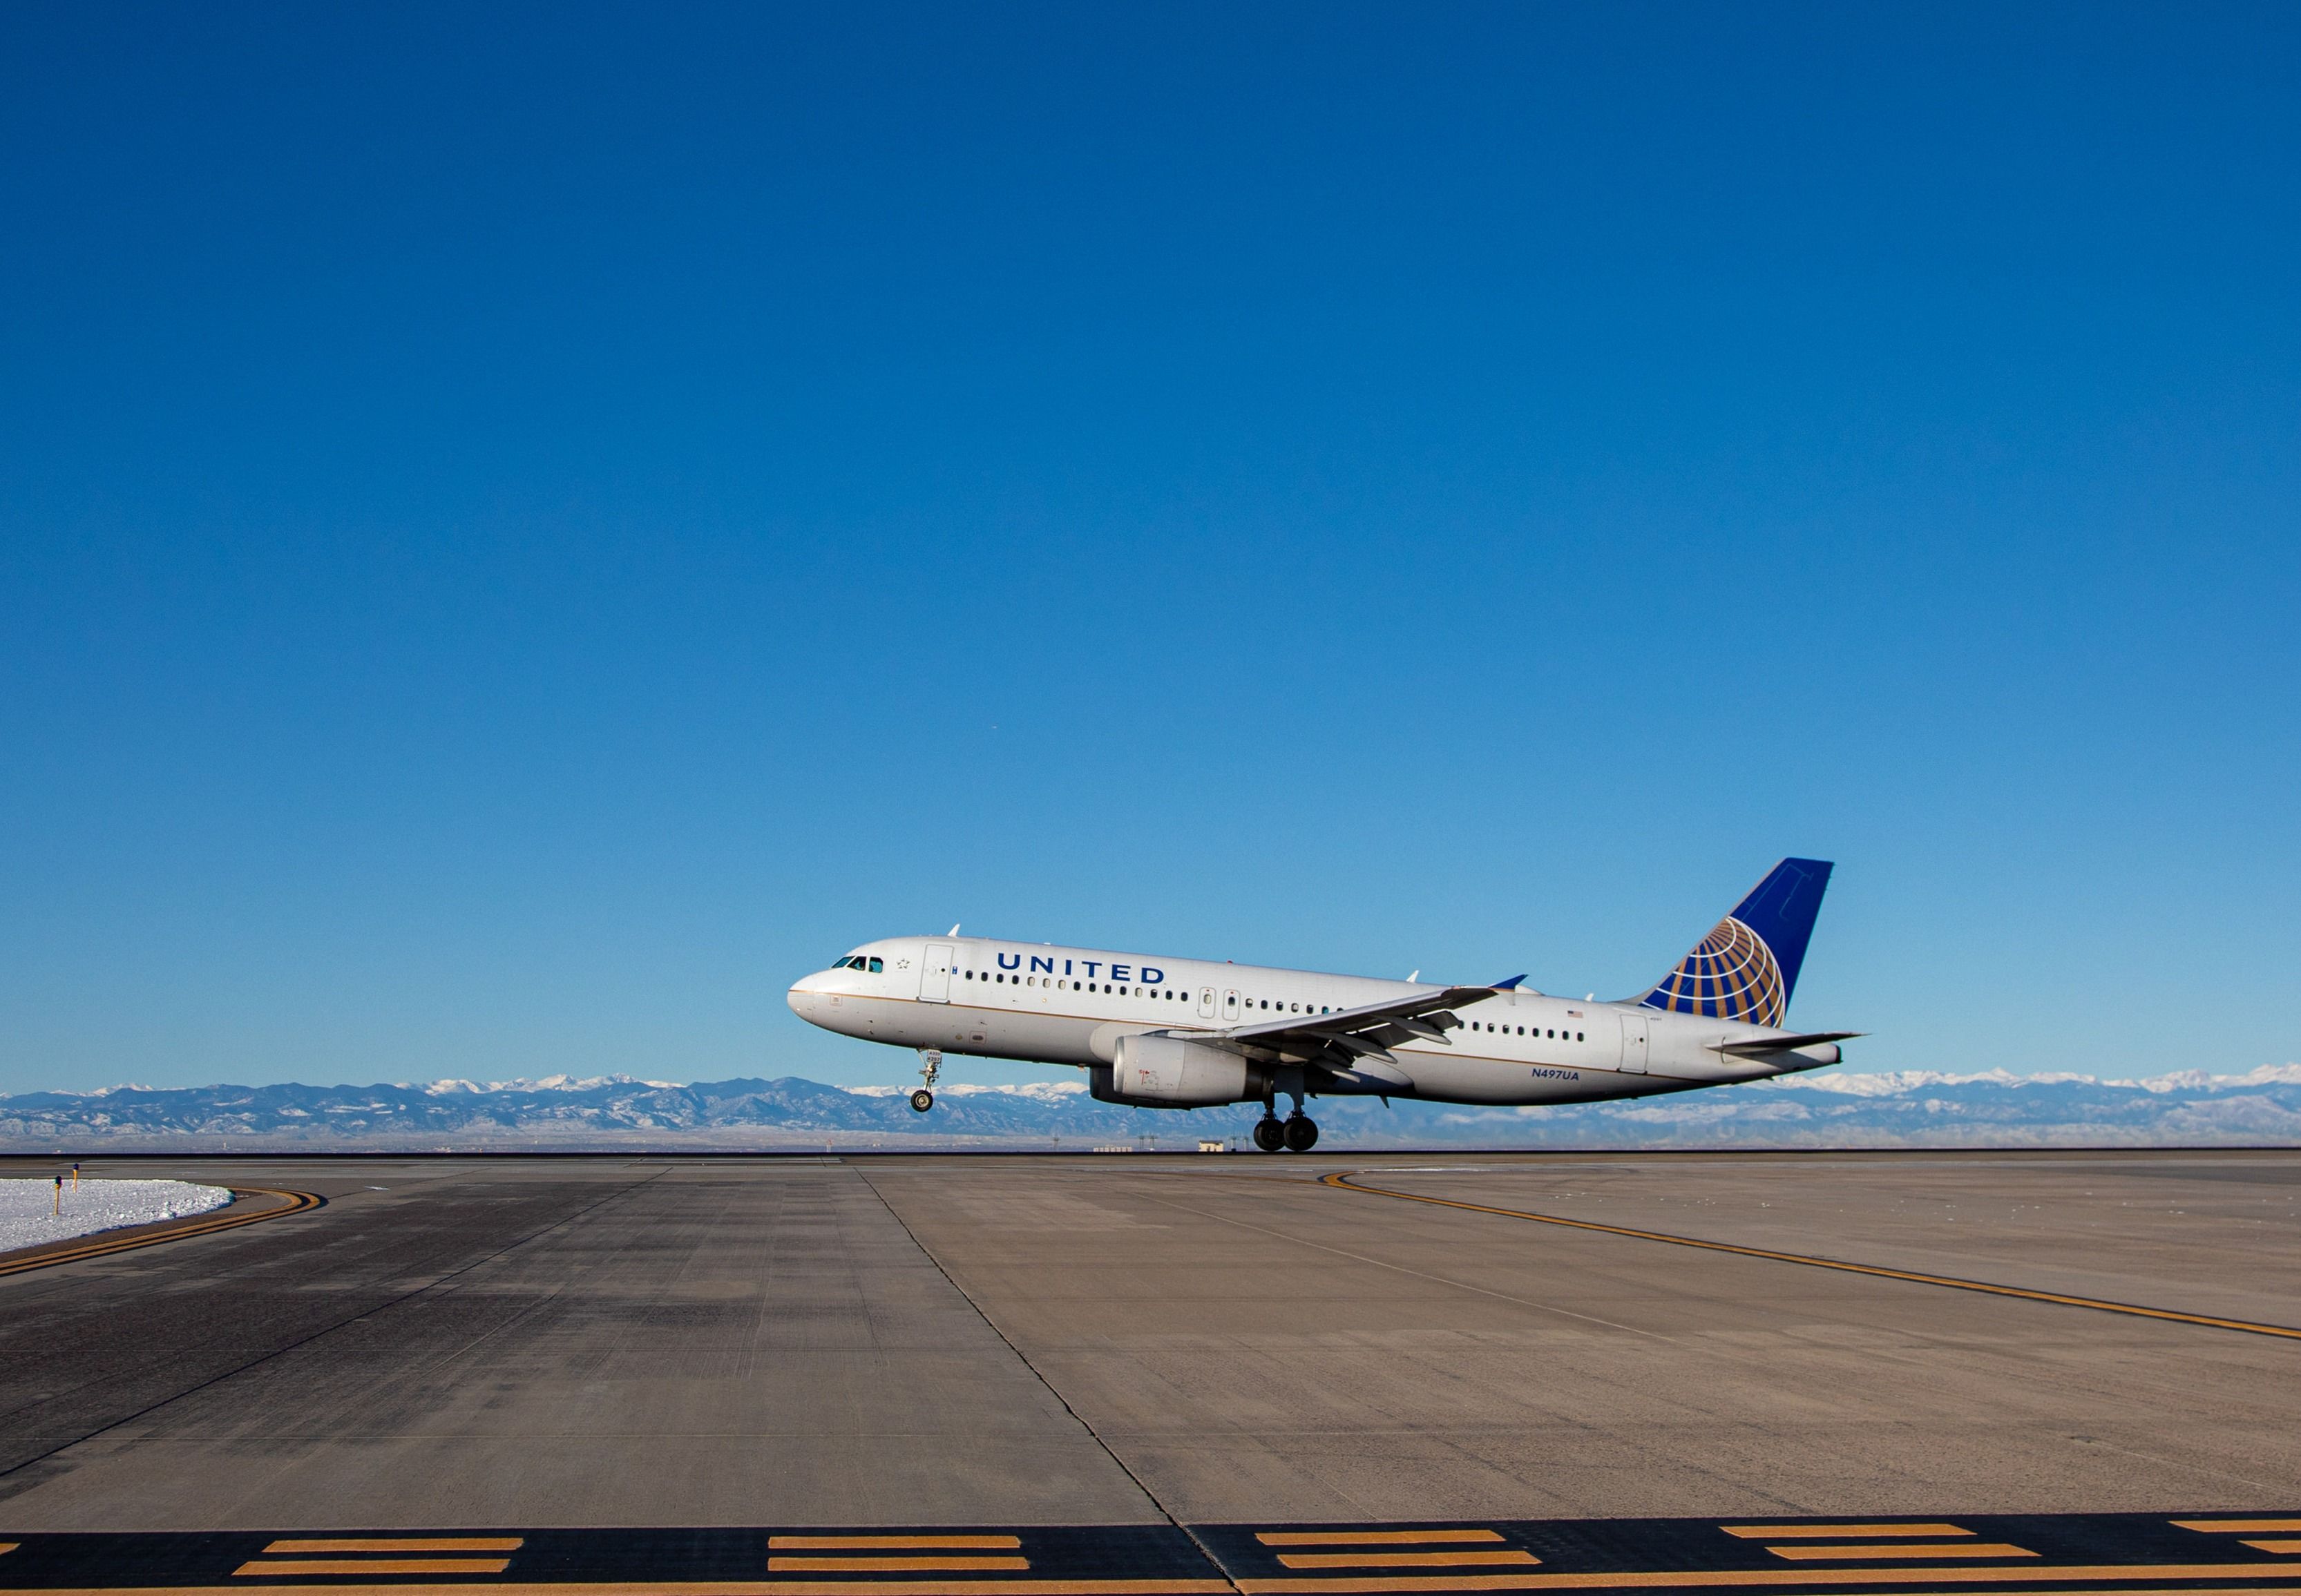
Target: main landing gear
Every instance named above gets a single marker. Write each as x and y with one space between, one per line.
930 1066
1298 1132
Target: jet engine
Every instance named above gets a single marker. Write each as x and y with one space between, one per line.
1169 1072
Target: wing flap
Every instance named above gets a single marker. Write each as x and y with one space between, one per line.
1357 1041
1407 1013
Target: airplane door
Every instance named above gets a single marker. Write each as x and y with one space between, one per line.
1206 1003
1634 1044
1230 1006
934 973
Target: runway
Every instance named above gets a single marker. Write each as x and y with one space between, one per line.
1184 1351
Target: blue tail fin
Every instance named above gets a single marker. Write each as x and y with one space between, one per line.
1748 966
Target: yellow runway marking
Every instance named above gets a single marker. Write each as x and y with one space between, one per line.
945 1564
1343 1182
2238 1527
283 1567
298 1202
450 1543
1406 1559
894 1543
1823 1532
1371 1537
1959 1549
2282 1548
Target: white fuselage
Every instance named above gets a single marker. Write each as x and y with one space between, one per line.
1069 1006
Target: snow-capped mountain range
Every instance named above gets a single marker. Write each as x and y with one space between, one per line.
1904 1108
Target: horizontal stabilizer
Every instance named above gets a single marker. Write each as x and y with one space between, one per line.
1782 1044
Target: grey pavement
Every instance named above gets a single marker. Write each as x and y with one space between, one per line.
984 1341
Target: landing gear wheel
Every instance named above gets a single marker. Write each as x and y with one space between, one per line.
1269 1135
1302 1133
930 1066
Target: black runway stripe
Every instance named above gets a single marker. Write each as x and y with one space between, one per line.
2127 1554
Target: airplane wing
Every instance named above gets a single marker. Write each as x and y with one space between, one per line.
1340 1039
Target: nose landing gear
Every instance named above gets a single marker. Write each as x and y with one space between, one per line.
930 1066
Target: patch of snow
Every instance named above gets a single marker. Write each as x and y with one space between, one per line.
28 1216
446 1088
1889 1083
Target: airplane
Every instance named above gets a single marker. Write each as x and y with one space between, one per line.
1158 1032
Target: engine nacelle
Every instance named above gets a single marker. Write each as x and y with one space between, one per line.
1167 1072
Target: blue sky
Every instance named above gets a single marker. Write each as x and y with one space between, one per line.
524 529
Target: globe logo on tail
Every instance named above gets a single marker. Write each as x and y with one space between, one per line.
1731 974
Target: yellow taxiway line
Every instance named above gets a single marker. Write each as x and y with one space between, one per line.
1343 1182
298 1202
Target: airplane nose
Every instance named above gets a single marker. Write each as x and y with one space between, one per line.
805 997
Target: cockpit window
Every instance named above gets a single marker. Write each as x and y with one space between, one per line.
878 966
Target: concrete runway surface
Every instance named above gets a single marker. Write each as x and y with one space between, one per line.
1126 1341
